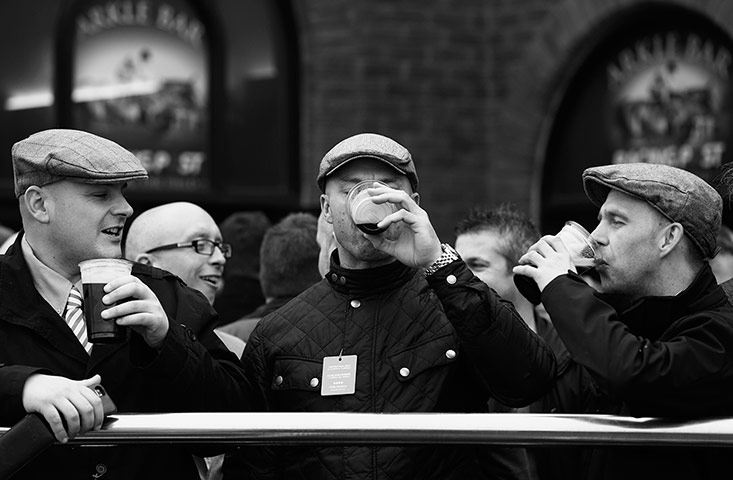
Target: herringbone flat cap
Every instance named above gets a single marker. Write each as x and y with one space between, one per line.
57 154
679 195
368 145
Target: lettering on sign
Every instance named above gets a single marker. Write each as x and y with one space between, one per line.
142 14
141 78
670 94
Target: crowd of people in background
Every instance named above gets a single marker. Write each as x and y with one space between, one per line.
312 313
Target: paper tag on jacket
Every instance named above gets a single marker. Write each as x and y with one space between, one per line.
339 375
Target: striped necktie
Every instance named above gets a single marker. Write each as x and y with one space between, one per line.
74 316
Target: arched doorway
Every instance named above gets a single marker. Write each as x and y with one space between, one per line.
654 87
205 94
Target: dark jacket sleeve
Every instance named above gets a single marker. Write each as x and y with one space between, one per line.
689 365
197 370
12 381
515 364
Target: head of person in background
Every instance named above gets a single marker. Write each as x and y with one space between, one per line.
183 239
722 263
327 244
289 256
241 292
491 241
289 264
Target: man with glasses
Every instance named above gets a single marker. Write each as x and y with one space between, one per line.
183 239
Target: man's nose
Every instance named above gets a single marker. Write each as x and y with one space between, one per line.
123 207
217 256
599 236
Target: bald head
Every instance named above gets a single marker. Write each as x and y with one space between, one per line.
178 223
163 225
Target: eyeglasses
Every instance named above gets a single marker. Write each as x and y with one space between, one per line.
202 246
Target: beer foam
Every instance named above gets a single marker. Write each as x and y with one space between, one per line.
103 270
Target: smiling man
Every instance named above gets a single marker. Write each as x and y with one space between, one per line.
657 339
183 239
70 188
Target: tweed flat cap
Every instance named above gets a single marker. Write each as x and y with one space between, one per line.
368 145
679 195
56 154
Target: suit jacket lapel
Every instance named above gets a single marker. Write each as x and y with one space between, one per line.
22 305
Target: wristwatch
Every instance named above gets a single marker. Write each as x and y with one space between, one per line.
449 255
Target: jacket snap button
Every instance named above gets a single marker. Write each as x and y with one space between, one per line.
404 371
450 354
334 278
279 380
451 279
342 280
314 382
355 303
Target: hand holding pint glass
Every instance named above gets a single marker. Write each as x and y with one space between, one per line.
95 274
582 248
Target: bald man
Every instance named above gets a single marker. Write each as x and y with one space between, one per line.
182 238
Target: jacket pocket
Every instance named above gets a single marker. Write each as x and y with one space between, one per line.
296 385
296 373
409 363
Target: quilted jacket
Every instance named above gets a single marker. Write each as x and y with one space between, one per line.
439 345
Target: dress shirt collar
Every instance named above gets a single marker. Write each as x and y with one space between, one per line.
52 286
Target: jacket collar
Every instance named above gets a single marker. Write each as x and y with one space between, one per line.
268 307
370 281
651 316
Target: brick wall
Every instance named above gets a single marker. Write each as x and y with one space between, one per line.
468 86
416 74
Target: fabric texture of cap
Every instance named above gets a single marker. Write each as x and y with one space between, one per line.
679 195
368 145
56 154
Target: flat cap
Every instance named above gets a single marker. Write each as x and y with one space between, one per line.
57 154
679 195
368 145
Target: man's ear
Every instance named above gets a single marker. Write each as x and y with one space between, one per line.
38 203
144 258
415 196
326 208
671 235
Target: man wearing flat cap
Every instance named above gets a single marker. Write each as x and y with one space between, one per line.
70 188
657 339
399 324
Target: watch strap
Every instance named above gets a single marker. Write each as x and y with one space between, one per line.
449 255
